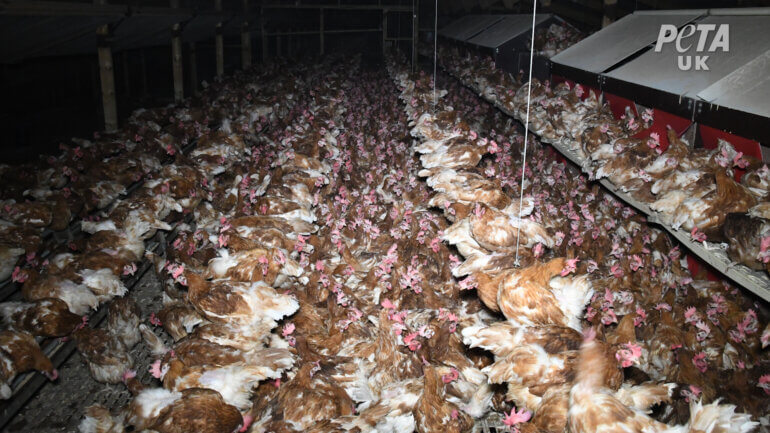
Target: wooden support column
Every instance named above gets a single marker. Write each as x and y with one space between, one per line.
107 75
245 39
415 33
220 44
321 33
384 30
263 35
193 69
176 57
176 60
610 12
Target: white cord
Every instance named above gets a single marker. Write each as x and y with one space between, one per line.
526 128
435 40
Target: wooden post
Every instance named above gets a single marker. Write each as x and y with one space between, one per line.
384 30
610 12
107 75
193 70
220 44
263 35
415 33
176 57
245 39
321 33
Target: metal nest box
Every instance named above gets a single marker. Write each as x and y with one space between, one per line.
732 94
505 38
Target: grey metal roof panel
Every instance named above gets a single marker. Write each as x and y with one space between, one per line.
506 29
478 24
452 29
749 39
746 89
600 51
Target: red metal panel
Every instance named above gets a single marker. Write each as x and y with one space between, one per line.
661 122
618 104
710 137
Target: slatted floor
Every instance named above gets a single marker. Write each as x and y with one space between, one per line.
59 406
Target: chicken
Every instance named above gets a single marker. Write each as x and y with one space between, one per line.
433 413
98 419
249 304
123 318
47 317
9 257
270 266
532 296
322 398
745 236
19 353
594 409
708 213
234 379
79 299
106 356
191 410
179 319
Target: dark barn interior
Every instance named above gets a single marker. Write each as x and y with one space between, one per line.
385 216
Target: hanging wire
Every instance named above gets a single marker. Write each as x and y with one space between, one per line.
435 51
526 127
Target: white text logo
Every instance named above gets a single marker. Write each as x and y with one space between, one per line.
709 39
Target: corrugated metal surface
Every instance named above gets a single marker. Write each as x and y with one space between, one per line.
456 26
600 51
749 38
746 89
469 26
508 28
31 33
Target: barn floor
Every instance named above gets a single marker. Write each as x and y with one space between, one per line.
75 389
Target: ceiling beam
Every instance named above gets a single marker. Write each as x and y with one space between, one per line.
389 8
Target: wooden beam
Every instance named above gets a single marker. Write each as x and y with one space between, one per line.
176 62
107 78
415 33
391 8
245 39
176 57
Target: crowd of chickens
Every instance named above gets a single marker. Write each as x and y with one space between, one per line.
689 189
651 333
551 40
321 274
62 284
